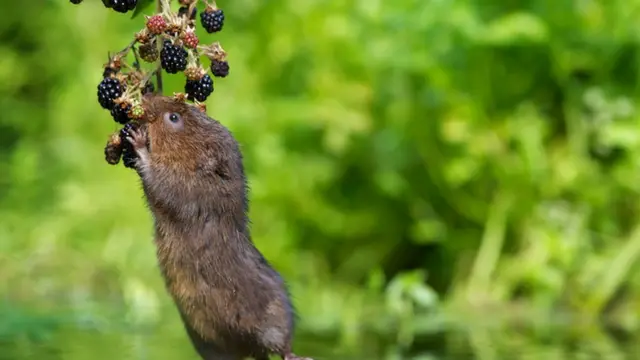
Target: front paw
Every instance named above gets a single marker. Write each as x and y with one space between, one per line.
136 154
138 139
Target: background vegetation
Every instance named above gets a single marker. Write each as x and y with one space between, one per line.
415 166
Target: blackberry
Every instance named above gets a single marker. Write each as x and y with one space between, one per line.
156 24
194 72
149 51
183 12
122 6
120 113
212 19
129 157
173 58
124 132
219 68
76 1
190 40
199 89
137 112
128 153
108 90
113 149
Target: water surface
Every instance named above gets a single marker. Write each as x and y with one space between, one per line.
45 335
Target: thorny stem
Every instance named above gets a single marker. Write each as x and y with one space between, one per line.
163 5
135 55
126 50
159 9
190 9
157 71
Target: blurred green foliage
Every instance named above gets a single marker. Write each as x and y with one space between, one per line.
412 165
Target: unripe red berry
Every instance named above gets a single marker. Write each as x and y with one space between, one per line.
156 24
190 40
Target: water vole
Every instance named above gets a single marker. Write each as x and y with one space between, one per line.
232 302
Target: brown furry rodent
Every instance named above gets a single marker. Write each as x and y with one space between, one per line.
233 303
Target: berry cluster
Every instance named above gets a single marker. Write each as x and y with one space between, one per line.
120 91
170 37
179 46
169 41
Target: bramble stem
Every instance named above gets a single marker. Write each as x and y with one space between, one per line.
135 55
159 9
126 50
157 71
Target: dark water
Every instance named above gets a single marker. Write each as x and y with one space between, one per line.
44 334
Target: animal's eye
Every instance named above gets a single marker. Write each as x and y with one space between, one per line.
174 120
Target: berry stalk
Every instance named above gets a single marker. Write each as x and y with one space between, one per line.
159 9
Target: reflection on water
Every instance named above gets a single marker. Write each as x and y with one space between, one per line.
37 334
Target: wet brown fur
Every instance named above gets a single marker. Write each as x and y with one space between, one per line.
233 304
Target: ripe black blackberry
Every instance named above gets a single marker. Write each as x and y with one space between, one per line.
124 132
108 90
76 1
173 58
129 157
128 154
199 89
183 12
212 19
121 6
120 113
219 68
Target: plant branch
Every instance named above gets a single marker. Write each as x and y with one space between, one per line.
150 75
159 9
126 50
135 55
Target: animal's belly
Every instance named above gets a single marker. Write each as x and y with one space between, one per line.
193 298
214 304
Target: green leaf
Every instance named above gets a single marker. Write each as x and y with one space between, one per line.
142 6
